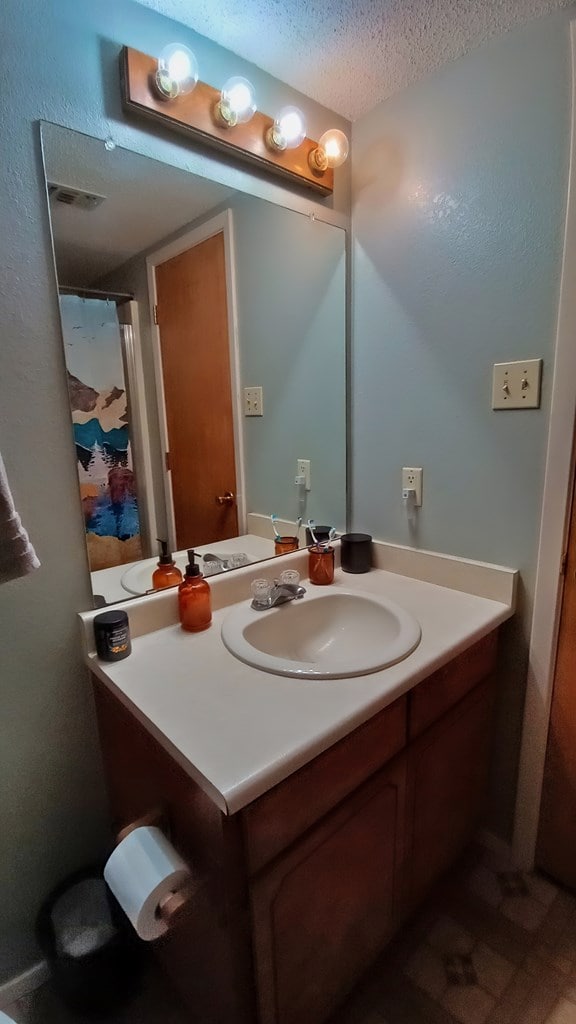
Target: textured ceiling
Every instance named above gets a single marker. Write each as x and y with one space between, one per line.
351 54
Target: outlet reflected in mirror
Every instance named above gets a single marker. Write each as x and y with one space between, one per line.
178 296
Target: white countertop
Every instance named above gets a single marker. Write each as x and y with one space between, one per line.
237 730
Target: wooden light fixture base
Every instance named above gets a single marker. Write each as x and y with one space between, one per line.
193 115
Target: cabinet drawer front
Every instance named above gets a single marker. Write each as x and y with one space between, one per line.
442 690
281 815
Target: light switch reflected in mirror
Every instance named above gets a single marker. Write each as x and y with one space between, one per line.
247 294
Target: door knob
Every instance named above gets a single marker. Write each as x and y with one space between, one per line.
225 499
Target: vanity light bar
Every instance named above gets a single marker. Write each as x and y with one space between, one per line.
192 115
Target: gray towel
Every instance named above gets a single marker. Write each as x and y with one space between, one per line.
17 556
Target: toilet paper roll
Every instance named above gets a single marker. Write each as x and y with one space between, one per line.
143 869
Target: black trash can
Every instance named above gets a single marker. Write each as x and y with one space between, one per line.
94 955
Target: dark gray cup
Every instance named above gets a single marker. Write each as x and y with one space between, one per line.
356 552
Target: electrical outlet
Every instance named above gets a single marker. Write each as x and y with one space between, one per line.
412 480
303 469
253 402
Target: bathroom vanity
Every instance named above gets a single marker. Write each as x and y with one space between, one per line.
305 861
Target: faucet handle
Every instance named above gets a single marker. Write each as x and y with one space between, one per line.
261 591
290 576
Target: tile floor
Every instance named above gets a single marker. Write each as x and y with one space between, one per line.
491 946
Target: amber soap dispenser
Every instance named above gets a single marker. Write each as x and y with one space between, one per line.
194 599
166 573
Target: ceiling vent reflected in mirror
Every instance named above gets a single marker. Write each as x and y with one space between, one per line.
74 197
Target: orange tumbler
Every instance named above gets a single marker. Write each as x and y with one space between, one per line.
321 565
282 545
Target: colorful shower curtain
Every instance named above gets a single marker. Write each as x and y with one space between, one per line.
100 418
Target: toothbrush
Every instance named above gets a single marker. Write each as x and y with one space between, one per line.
312 526
298 525
326 543
274 518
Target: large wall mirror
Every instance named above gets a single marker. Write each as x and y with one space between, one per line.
204 333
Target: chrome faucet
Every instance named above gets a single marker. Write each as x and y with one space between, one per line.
278 593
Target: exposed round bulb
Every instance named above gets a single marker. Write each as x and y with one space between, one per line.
177 72
237 103
288 130
331 151
335 145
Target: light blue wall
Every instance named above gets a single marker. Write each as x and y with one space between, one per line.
459 192
292 328
58 61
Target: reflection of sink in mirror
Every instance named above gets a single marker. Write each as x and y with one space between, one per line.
137 578
155 449
326 635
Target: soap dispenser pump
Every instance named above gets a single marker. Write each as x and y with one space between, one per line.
167 573
194 599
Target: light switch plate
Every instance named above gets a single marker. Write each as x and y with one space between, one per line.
517 385
253 402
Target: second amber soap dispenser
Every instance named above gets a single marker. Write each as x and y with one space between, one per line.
166 573
194 598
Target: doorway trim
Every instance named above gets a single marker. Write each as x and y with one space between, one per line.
222 222
553 527
132 352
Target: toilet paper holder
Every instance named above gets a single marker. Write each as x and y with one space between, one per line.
156 816
171 905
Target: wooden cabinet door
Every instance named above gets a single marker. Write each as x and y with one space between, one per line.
447 770
324 910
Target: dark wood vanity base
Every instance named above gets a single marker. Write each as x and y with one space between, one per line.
300 891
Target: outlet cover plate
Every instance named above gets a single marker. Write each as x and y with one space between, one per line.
303 469
517 385
412 480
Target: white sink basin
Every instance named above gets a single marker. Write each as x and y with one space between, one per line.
324 635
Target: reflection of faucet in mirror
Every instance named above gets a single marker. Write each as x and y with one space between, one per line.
220 395
220 563
213 558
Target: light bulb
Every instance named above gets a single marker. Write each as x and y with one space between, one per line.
177 72
237 103
288 130
335 145
331 152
